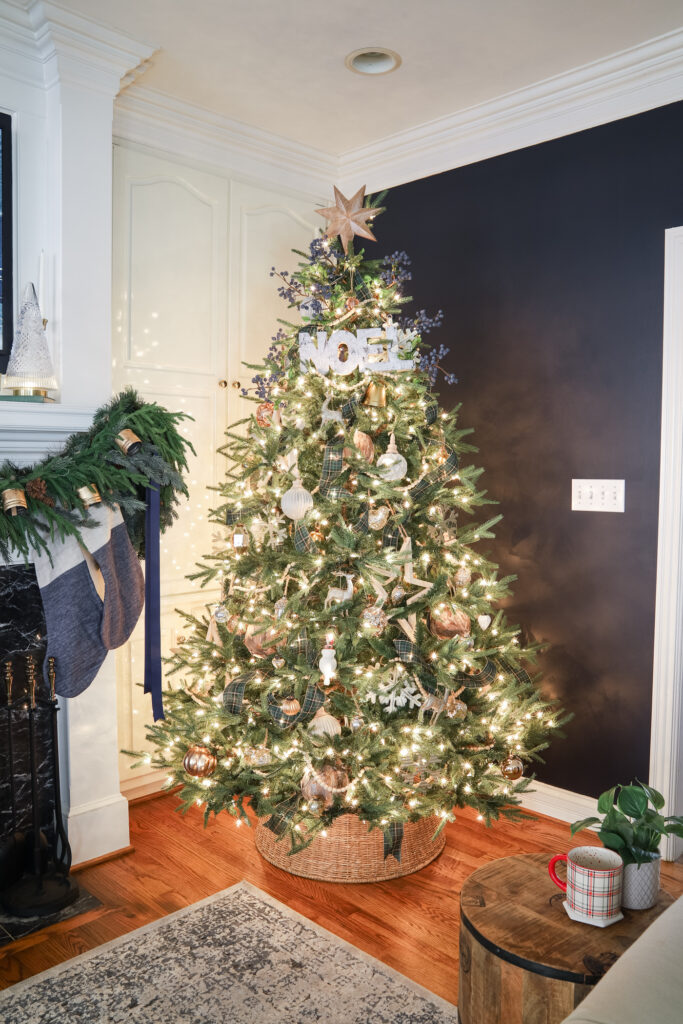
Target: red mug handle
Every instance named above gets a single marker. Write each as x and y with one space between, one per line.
553 873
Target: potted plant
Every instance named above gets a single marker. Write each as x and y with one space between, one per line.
633 827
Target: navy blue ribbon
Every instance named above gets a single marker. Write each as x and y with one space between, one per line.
152 601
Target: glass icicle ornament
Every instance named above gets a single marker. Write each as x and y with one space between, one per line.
29 370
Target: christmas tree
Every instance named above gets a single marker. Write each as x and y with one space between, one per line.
357 662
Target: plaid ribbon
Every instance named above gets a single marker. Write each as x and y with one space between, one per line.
236 515
362 524
408 652
421 486
313 699
302 538
482 678
436 475
332 467
302 645
520 674
431 412
278 822
393 840
348 409
233 694
391 537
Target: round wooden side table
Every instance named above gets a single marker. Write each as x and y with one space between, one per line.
521 957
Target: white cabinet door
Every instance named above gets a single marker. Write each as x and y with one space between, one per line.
192 298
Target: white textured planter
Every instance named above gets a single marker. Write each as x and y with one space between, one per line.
641 885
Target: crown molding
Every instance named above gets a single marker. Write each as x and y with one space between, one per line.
629 82
42 43
152 119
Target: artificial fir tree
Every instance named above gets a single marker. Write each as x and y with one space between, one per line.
356 662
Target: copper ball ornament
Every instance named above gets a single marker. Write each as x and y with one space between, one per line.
446 622
512 768
364 444
199 762
264 414
290 706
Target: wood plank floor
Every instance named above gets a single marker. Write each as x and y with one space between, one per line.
409 923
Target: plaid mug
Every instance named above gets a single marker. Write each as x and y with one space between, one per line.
594 883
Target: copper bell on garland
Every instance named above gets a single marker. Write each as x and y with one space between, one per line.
89 495
128 442
199 762
376 395
14 501
512 768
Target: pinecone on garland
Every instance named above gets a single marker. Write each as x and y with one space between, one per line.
37 489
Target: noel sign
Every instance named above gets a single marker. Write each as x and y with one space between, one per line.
376 349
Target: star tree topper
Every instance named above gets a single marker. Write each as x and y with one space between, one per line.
348 217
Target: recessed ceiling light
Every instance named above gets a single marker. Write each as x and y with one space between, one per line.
372 60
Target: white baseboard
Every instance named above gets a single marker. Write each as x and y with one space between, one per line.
98 828
558 803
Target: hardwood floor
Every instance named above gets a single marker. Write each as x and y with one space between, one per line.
409 923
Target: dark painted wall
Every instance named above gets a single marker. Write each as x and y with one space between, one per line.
548 263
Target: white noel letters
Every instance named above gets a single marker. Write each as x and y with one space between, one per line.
344 352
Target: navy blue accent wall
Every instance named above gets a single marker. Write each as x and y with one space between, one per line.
548 263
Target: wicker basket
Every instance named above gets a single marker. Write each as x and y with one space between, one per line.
349 853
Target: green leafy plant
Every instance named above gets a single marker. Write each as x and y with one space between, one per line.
632 824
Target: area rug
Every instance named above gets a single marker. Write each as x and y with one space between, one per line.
239 957
13 928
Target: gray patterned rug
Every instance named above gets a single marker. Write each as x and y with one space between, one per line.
239 957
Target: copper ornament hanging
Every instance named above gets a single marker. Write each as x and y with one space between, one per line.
290 706
264 414
364 444
89 495
199 762
128 442
446 622
260 644
14 502
512 768
376 395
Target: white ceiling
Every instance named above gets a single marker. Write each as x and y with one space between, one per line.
279 65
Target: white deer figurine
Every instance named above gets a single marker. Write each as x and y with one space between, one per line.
339 593
331 415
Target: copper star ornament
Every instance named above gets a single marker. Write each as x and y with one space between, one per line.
348 217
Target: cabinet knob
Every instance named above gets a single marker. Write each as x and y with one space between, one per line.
222 383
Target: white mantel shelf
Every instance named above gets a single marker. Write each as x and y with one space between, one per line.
30 430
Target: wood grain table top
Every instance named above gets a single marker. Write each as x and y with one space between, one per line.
512 907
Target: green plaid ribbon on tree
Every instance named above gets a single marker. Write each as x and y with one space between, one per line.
391 537
431 412
435 477
302 645
313 699
484 677
278 822
362 524
520 674
393 840
236 515
332 467
348 409
302 539
408 652
233 694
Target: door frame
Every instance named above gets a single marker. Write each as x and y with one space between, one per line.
666 746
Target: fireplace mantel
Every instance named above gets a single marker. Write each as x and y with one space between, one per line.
29 430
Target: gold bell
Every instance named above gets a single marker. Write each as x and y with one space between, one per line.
376 395
128 442
14 501
89 495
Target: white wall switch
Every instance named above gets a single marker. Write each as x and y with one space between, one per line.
598 495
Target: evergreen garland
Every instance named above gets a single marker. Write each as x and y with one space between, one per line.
93 457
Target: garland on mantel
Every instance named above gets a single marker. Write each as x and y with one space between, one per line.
93 457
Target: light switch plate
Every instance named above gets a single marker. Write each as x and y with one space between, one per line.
598 495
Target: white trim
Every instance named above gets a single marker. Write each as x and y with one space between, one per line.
29 430
98 827
149 118
666 747
558 803
640 78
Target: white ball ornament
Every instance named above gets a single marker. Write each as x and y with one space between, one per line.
391 465
297 501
